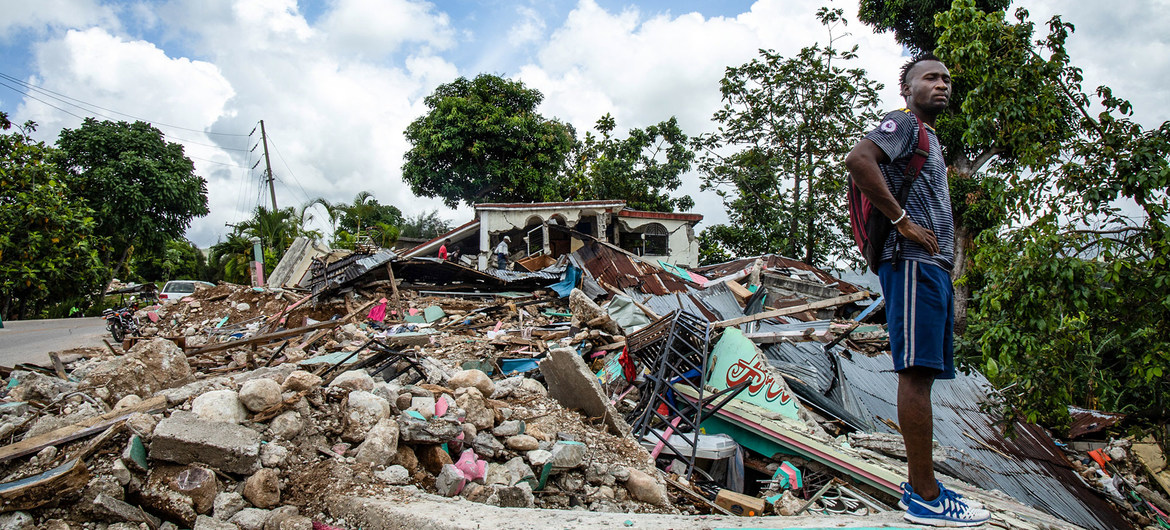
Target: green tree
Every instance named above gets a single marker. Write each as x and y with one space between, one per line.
230 259
179 259
143 189
482 140
640 169
47 248
777 159
425 225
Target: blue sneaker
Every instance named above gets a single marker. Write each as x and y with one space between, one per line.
907 490
949 509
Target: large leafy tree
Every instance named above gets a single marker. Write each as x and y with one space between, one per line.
482 140
47 248
425 225
179 259
143 189
777 159
640 169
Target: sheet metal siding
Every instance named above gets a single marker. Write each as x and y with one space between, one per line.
621 271
1035 472
773 261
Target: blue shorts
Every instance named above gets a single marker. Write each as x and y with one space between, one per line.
920 312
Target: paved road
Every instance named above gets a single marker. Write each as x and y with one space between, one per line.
30 341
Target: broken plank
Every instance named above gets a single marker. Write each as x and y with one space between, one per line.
333 324
263 338
58 366
77 430
831 302
782 336
43 488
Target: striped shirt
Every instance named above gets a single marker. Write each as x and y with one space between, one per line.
929 203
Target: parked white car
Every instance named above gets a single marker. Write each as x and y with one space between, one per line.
177 289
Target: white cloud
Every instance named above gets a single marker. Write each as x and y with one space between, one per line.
378 28
43 15
529 28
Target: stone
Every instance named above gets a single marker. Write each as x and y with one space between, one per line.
535 432
227 504
497 474
300 380
433 431
287 425
432 458
598 473
200 485
574 386
450 481
404 401
364 410
260 394
509 428
423 405
250 519
55 524
262 489
142 423
353 380
486 445
621 473
571 481
16 521
243 306
568 455
116 510
127 402
290 522
520 472
539 457
475 409
380 445
407 458
645 488
273 455
522 442
184 438
393 475
204 522
220 405
147 368
606 492
518 496
472 378
39 387
120 472
532 386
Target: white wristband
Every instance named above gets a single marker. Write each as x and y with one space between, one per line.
900 218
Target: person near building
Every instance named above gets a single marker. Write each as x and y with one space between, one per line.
502 253
915 278
443 249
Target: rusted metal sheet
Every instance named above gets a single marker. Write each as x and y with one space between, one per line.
1086 421
775 262
613 267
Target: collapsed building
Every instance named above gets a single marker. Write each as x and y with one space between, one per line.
360 387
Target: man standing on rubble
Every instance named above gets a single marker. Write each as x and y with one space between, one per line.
502 254
915 278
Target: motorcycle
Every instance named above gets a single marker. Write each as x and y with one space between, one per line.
121 321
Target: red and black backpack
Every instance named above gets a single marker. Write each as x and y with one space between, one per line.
870 226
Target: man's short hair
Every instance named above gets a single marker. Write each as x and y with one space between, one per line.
902 81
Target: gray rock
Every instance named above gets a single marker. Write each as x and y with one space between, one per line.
300 380
148 368
363 412
262 489
509 428
645 488
380 445
115 510
16 521
220 405
520 472
538 458
568 455
228 504
260 394
204 522
572 481
574 386
497 474
621 473
522 442
450 481
472 378
475 409
599 473
287 425
354 380
518 496
394 475
433 431
250 519
486 445
184 438
142 423
423 405
273 455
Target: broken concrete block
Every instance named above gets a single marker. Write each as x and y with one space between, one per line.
300 380
354 380
423 405
520 472
380 445
200 485
287 425
260 394
17 521
539 457
362 413
473 378
450 481
518 496
227 504
127 402
142 423
250 519
599 473
434 431
120 472
204 522
115 510
509 428
394 475
147 368
486 445
262 489
432 458
273 455
475 409
220 405
572 384
646 488
407 458
184 438
522 443
568 455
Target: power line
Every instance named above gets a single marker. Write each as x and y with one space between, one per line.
30 96
81 105
290 171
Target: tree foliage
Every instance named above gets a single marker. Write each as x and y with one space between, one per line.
47 247
143 189
179 259
912 21
425 225
482 140
641 169
777 159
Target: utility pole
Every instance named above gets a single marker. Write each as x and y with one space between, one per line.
268 165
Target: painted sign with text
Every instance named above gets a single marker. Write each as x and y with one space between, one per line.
735 359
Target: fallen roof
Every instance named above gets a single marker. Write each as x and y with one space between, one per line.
771 262
433 245
612 266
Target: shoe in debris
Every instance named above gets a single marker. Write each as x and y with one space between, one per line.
902 503
948 509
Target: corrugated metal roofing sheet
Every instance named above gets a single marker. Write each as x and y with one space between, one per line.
1033 470
773 261
613 267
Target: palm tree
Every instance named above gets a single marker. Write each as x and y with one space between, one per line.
231 258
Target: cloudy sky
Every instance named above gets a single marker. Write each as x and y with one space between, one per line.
337 81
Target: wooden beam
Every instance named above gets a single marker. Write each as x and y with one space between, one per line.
832 302
263 338
77 430
335 323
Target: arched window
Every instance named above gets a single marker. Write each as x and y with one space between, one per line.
646 240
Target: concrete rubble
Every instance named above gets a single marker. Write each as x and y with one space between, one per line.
278 412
